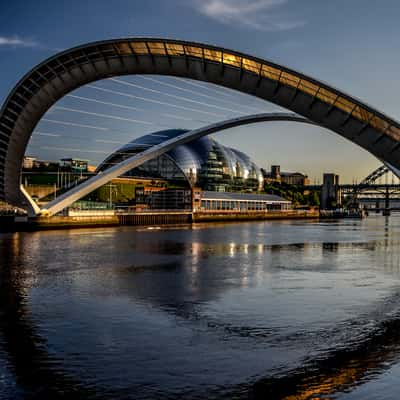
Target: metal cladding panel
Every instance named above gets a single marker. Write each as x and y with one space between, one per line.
302 103
384 146
163 64
188 157
336 119
284 95
352 126
318 111
152 138
248 83
138 145
265 88
232 77
368 138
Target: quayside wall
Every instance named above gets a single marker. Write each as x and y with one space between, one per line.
250 216
144 219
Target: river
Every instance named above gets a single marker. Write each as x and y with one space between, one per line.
259 310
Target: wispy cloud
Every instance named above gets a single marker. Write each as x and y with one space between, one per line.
264 15
16 41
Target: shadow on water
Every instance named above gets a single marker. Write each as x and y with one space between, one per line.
40 375
337 371
33 367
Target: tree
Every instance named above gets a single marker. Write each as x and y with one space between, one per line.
313 198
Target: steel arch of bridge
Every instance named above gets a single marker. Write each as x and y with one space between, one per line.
39 89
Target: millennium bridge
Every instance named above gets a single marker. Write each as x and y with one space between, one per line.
312 100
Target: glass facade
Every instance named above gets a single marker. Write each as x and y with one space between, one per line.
203 162
243 202
242 205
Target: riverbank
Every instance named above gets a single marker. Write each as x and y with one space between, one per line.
253 216
48 223
85 220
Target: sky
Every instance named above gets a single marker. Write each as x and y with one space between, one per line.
350 44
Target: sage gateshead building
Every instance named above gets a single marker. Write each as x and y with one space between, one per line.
202 163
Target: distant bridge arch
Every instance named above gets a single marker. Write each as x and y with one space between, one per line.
38 90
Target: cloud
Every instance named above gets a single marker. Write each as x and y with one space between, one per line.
261 15
16 41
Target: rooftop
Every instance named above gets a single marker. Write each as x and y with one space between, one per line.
241 196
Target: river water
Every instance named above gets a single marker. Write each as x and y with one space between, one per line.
259 310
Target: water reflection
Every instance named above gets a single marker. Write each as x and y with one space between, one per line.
225 285
338 371
31 364
186 280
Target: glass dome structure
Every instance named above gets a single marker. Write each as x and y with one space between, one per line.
202 163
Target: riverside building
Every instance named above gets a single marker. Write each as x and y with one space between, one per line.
205 176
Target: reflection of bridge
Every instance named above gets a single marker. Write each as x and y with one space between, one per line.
49 81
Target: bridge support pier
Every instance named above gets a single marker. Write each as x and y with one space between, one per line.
330 191
386 211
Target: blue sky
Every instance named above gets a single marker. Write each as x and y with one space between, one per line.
350 44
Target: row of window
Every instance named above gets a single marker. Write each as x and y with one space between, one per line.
242 205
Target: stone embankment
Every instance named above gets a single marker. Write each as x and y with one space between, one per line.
253 215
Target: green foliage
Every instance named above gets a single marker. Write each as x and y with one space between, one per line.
120 193
314 198
125 192
293 193
39 179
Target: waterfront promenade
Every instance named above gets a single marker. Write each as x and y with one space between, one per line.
93 218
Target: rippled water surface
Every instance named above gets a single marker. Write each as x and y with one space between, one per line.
263 310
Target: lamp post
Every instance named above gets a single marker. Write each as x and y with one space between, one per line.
110 186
